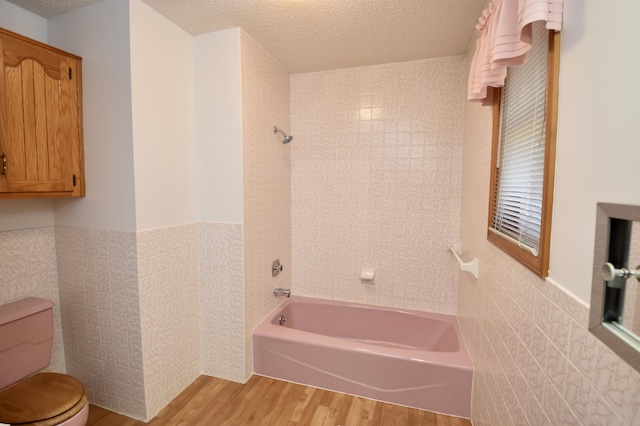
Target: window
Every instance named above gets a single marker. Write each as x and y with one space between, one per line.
525 116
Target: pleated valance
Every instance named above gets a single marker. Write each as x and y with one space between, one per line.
505 39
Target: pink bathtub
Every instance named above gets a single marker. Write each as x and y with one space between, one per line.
411 358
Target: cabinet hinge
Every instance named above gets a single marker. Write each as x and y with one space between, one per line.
70 73
74 180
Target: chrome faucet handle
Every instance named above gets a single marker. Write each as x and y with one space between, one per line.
276 267
609 272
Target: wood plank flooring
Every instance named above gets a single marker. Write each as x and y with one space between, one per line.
261 401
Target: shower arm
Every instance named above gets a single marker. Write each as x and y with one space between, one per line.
276 130
286 139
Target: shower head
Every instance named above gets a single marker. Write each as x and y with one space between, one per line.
286 139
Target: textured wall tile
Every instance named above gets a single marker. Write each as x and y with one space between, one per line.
371 174
28 269
99 335
169 289
218 311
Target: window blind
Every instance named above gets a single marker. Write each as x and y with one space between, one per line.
519 182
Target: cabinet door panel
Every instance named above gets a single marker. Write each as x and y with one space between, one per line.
57 156
36 159
41 123
30 141
15 131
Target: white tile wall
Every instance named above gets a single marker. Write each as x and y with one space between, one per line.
222 343
99 295
28 268
126 306
169 292
376 182
131 333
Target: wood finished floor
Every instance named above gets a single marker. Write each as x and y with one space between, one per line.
210 401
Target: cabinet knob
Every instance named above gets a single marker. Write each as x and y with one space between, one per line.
4 165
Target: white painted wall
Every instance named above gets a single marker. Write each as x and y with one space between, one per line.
23 214
99 33
19 214
162 93
598 145
218 106
18 20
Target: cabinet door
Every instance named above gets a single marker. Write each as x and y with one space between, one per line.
39 97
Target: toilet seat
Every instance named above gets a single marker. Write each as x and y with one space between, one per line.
43 399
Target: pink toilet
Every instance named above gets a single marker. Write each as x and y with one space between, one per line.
26 335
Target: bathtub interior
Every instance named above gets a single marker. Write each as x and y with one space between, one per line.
372 325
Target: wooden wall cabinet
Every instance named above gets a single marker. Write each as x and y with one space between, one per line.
41 139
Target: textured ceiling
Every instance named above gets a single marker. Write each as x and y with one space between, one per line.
315 35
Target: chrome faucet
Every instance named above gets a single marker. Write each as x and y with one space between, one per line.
282 292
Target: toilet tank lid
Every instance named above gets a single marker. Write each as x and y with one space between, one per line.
23 308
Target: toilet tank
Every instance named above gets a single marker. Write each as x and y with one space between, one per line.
26 336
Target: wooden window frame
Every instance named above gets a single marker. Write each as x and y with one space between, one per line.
538 264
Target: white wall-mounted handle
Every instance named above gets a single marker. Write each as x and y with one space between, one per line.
609 272
471 267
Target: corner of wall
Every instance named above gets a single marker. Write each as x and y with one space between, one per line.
266 168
